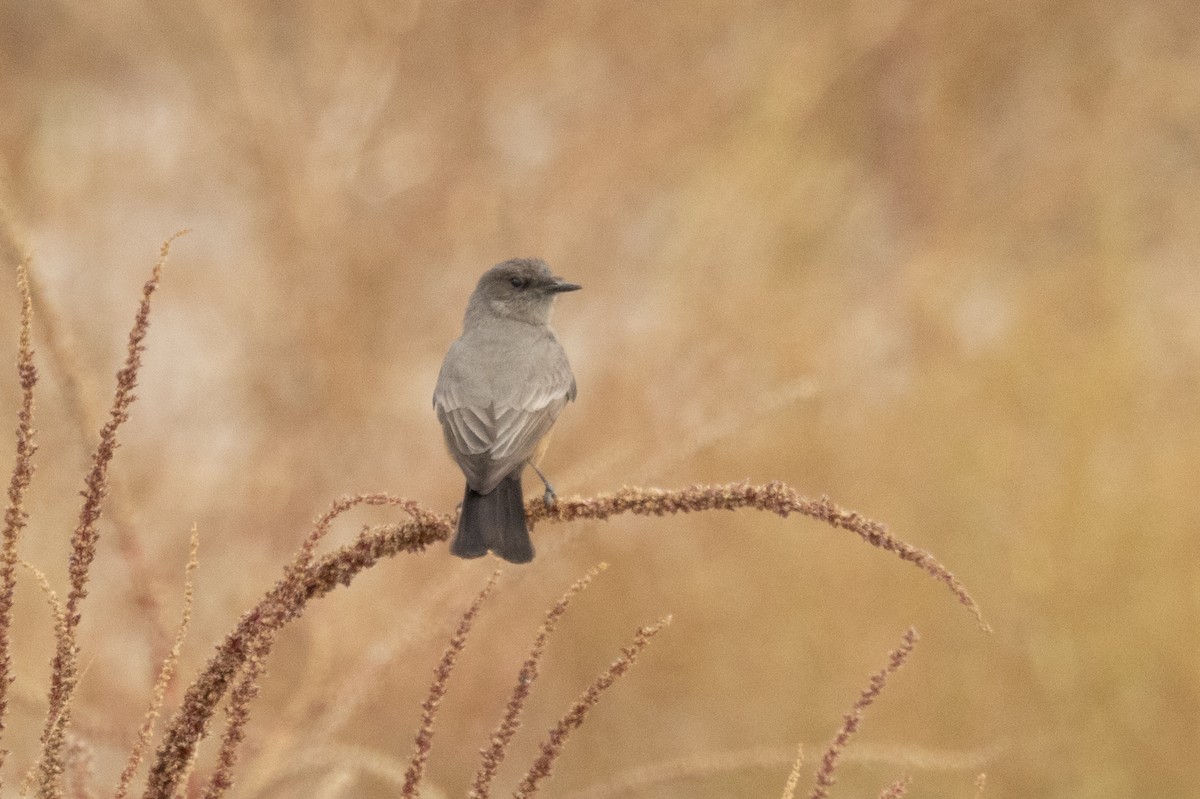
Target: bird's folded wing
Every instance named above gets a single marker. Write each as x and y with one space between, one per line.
490 439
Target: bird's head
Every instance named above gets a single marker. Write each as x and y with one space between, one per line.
522 289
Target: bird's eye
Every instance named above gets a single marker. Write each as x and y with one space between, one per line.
517 282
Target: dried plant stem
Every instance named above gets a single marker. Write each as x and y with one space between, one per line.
299 718
187 789
896 659
64 674
237 714
574 718
246 690
776 497
165 673
493 755
56 607
789 787
60 633
15 516
79 394
252 638
300 585
437 691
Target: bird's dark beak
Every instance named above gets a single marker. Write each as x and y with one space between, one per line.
559 285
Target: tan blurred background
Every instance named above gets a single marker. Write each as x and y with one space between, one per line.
937 260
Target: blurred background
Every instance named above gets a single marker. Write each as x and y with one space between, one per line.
937 260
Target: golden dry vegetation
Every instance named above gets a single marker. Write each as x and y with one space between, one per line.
938 261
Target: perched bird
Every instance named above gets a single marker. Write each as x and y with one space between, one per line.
501 387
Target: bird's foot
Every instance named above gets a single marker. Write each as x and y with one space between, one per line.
549 498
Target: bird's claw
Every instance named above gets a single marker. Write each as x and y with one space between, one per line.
550 498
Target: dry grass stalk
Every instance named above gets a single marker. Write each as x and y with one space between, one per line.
493 756
301 584
60 633
246 690
15 516
79 394
437 691
896 790
64 669
270 751
825 774
188 789
789 787
776 497
254 634
237 714
321 526
165 673
56 607
574 718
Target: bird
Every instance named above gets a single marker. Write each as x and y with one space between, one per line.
501 387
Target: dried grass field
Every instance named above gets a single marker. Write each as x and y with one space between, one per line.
938 262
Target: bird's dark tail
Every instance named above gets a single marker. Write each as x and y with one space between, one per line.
494 521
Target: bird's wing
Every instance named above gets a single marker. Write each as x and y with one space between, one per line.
492 426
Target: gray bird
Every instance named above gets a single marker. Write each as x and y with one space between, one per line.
501 387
